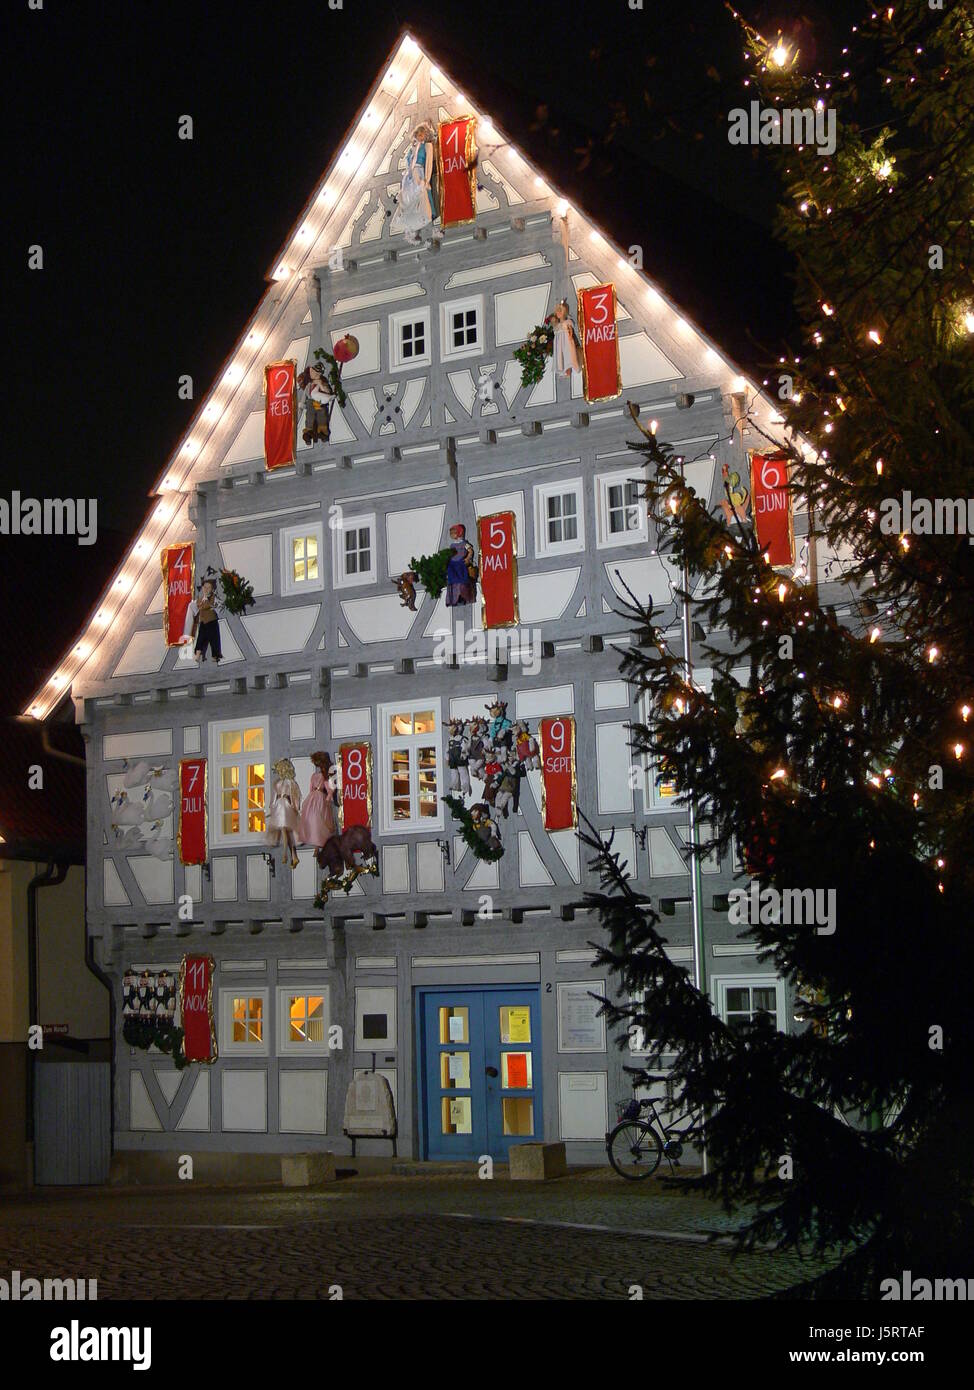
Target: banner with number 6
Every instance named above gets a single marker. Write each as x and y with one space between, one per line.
597 324
497 535
559 791
355 791
771 505
280 418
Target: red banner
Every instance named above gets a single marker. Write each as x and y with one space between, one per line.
497 535
559 804
771 507
280 420
355 770
458 171
600 342
191 835
196 1008
177 589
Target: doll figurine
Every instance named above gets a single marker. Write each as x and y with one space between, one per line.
457 753
499 730
507 786
203 621
477 747
485 825
527 747
318 819
461 572
406 588
318 401
418 201
283 822
737 498
566 350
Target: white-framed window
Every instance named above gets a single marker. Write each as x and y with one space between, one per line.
303 1016
462 327
354 551
620 508
244 1025
409 339
559 523
411 753
238 766
740 998
301 558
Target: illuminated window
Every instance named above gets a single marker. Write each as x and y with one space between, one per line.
244 1023
301 568
303 1019
238 775
411 759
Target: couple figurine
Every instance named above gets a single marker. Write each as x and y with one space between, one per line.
289 823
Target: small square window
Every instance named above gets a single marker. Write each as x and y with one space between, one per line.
409 339
620 509
355 552
301 548
461 327
244 1021
559 524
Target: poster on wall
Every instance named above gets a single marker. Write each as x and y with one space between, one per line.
195 1001
191 833
280 418
599 331
498 570
178 572
457 151
355 788
559 799
772 509
581 1027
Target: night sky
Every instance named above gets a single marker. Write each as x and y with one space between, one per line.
156 248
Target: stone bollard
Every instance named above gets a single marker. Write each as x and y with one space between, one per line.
538 1162
307 1170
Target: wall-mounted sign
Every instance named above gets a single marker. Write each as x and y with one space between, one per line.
580 1026
457 151
771 507
497 535
177 589
196 1008
355 787
191 833
280 416
599 332
559 805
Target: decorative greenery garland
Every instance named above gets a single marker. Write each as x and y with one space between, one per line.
469 831
534 353
146 1033
431 570
238 593
334 375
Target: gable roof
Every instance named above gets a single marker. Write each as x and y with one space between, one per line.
305 247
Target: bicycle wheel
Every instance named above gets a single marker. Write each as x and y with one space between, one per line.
634 1149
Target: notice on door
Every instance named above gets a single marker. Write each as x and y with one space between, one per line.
519 1025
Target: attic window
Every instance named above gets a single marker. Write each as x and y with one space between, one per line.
461 327
409 339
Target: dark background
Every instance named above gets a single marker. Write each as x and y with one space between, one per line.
156 248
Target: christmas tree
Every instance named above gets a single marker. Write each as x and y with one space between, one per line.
844 763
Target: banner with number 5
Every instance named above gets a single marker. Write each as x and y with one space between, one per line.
498 569
280 418
559 791
355 789
597 324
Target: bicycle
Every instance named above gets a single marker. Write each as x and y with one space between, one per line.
636 1145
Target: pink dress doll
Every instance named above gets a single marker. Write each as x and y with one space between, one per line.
318 819
283 822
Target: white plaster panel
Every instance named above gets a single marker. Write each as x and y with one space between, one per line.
249 442
650 578
516 312
367 360
624 844
154 877
611 695
463 388
565 843
504 502
665 860
641 361
192 738
196 1112
467 706
297 349
412 395
416 531
710 863
303 879
429 867
168 1082
585 280
395 869
366 406
545 596
193 881
301 726
533 703
245 1101
258 878
157 602
113 891
375 999
144 652
223 868
351 723
485 875
142 1113
613 756
582 1104
545 391
303 1100
251 556
282 629
530 864
380 619
700 476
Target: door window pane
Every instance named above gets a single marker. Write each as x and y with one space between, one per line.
456 1115
516 1072
455 1071
515 1023
518 1114
454 1024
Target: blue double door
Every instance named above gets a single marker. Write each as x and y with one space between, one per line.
481 1070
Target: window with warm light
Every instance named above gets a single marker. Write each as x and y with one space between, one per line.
244 1022
411 758
303 1019
301 557
238 781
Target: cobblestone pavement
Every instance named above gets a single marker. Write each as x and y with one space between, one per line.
385 1238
